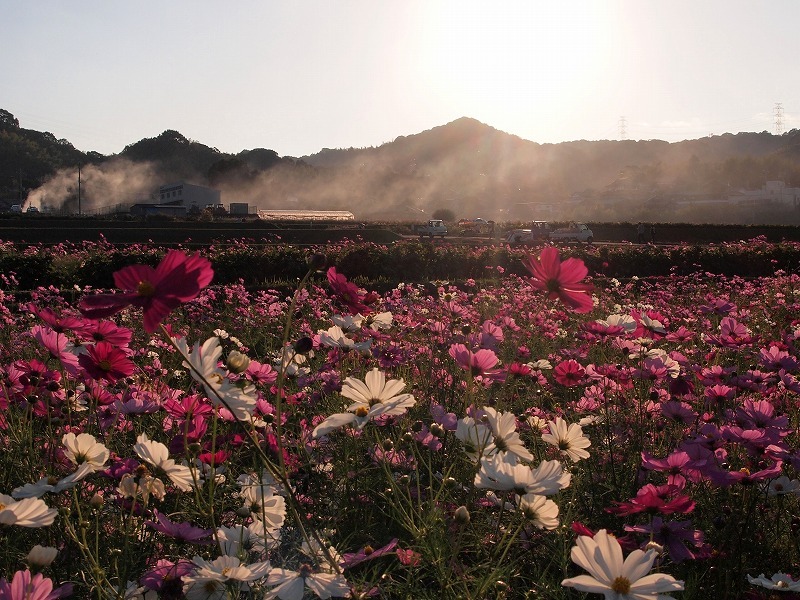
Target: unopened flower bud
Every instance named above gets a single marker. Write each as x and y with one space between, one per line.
237 362
655 546
96 501
41 556
317 261
304 345
461 515
437 430
387 445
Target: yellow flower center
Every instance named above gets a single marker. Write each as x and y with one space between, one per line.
2 506
145 288
621 585
362 411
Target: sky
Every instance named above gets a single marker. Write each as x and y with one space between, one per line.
297 76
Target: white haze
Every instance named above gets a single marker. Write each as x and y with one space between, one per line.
117 181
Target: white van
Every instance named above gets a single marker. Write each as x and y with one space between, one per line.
15 208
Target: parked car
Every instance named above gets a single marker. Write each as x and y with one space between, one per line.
432 228
15 208
574 232
33 209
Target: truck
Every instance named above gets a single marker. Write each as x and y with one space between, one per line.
574 232
432 228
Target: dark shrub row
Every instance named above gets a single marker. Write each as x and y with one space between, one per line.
256 265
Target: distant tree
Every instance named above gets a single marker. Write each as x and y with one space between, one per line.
445 214
6 118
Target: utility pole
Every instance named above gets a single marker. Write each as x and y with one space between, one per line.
623 133
778 118
79 190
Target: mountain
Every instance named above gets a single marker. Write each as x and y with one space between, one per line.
465 166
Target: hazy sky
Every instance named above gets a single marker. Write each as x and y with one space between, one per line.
296 76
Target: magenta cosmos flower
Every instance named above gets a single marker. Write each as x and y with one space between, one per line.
561 280
177 279
104 361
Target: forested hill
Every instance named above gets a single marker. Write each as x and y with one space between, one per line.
465 166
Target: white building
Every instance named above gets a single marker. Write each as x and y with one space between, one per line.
188 194
772 191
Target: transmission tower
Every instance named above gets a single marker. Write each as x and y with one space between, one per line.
623 133
778 118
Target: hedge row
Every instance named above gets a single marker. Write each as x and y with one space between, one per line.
93 264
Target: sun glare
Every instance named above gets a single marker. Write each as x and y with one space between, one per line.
500 62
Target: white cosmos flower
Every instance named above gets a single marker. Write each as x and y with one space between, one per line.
291 363
379 321
540 365
614 578
497 474
240 540
290 585
474 435
85 449
373 397
28 512
779 581
260 497
335 338
52 484
146 486
506 440
157 455
210 578
627 322
203 364
569 439
540 510
348 322
782 486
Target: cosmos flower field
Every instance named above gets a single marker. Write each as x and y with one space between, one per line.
549 423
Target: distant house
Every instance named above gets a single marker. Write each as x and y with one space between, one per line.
772 191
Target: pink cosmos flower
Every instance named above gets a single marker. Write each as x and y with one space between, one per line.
679 467
177 279
569 372
25 587
104 361
408 557
561 280
663 499
351 559
58 346
180 531
105 331
481 363
348 293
